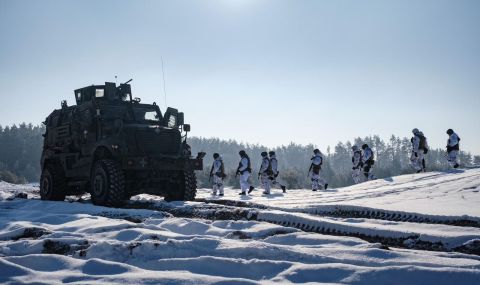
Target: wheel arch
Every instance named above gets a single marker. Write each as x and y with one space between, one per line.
101 152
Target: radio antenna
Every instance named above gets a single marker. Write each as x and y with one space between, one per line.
164 88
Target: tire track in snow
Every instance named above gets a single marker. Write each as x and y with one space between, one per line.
388 235
350 211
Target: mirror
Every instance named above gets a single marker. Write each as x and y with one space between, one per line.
186 128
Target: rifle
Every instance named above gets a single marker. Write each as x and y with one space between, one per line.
211 173
310 169
238 169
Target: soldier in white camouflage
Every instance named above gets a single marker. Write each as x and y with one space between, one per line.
244 170
357 165
217 172
275 172
315 168
368 160
453 147
265 173
419 149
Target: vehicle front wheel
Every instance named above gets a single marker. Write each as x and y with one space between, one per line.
52 184
107 182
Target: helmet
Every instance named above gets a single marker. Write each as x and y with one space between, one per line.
449 132
364 146
415 131
216 155
354 148
271 153
264 153
242 153
316 150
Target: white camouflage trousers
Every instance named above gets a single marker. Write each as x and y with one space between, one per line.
217 185
416 161
264 178
357 175
452 157
275 183
244 184
317 181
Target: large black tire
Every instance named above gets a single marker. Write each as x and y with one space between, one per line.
190 187
185 189
107 182
53 184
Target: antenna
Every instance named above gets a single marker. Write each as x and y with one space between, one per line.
164 88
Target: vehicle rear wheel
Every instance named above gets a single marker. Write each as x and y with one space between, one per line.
52 184
107 182
185 189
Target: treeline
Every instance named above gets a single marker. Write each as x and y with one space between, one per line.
21 147
20 151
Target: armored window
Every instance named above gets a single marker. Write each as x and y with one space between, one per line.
172 121
99 93
151 115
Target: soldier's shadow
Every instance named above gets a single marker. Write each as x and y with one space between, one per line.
245 197
273 195
329 190
456 171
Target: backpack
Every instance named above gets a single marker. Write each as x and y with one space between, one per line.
273 158
269 170
372 157
249 165
221 173
423 142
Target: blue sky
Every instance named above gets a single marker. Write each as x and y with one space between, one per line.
267 72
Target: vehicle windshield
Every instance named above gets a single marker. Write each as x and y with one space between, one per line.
145 114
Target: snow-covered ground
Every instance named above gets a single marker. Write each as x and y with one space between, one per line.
454 193
372 233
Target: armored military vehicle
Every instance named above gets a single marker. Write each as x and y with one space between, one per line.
114 147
